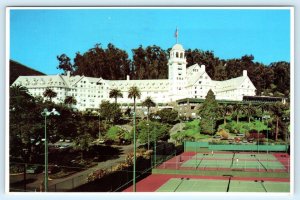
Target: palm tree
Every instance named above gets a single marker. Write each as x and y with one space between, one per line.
278 110
49 93
249 111
238 109
148 103
19 97
115 93
134 93
70 100
223 111
264 107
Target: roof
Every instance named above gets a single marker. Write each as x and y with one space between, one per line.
43 81
192 76
178 47
143 85
230 84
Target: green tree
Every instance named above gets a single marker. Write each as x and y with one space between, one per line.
70 100
167 115
111 63
83 142
110 111
21 116
281 76
133 93
238 109
278 111
148 102
150 63
208 113
49 93
115 93
223 110
249 110
155 131
65 64
118 134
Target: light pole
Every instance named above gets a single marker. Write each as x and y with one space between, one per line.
45 114
25 166
99 134
148 134
99 124
286 119
267 117
146 113
134 153
154 131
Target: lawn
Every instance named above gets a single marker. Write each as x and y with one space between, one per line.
192 129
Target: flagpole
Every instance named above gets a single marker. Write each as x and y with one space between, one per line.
176 35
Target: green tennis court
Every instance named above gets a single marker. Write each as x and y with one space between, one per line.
205 185
235 156
234 161
194 185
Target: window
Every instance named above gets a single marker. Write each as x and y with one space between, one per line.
176 54
200 82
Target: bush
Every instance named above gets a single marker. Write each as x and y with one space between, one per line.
223 133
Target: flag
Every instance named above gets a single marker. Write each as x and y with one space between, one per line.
176 33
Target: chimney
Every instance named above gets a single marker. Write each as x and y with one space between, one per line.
202 67
244 72
68 74
127 77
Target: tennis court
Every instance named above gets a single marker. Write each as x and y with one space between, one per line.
232 161
205 185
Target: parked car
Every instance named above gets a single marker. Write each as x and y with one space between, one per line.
34 169
230 141
52 169
250 140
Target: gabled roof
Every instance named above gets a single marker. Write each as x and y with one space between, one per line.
194 76
143 85
230 84
42 81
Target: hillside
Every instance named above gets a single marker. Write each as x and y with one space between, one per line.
17 69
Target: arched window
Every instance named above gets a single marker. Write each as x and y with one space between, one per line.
176 54
181 55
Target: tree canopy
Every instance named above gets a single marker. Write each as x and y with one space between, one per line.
208 112
150 62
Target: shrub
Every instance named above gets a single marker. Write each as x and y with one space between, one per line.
96 175
223 133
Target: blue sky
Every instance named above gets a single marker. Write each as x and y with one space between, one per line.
38 36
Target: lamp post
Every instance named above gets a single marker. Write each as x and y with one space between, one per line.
99 134
146 113
99 123
134 153
286 119
25 166
45 114
154 131
267 117
148 134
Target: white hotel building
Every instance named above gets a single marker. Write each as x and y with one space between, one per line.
182 82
